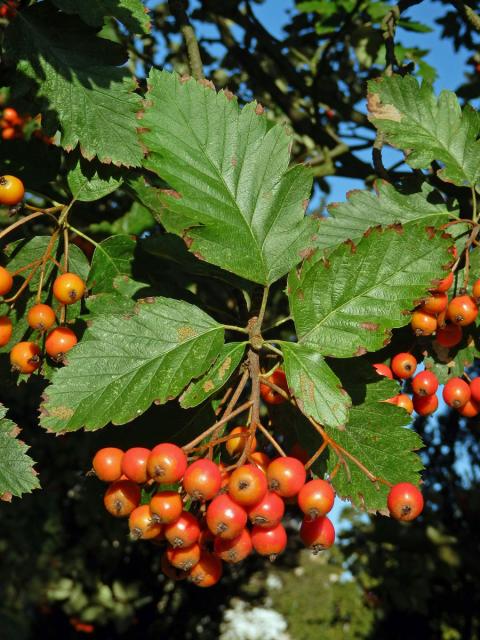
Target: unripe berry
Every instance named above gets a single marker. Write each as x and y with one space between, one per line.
404 365
286 476
107 464
234 550
405 501
269 542
202 480
462 310
166 463
247 485
121 498
425 383
456 393
318 534
316 498
183 532
226 518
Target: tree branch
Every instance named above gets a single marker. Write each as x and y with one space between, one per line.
178 9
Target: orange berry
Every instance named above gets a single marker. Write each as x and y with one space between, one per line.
11 190
68 288
25 357
449 336
59 341
436 303
462 310
423 323
235 446
6 330
41 317
6 281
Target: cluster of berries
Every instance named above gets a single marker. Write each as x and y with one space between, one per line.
25 356
437 314
12 125
457 393
8 10
203 514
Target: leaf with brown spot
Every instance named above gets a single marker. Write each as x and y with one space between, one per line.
17 475
216 377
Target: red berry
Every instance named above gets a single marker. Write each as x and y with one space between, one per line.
166 506
425 405
470 409
449 336
202 480
11 116
475 389
141 524
226 518
6 281
183 532
476 289
41 317
235 446
261 460
207 571
317 534
6 330
425 383
25 357
234 550
107 464
134 464
462 310
269 395
383 370
286 476
68 288
167 463
404 365
184 558
456 393
445 283
247 485
59 341
316 498
268 512
403 401
121 498
436 303
405 501
269 542
423 323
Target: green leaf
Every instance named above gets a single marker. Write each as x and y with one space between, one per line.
377 437
427 129
81 82
135 221
317 389
219 373
89 181
132 13
363 209
348 304
17 475
236 202
111 258
124 363
447 362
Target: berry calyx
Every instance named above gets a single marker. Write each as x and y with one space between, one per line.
41 317
449 336
316 498
456 393
405 501
234 550
423 323
425 383
202 480
68 288
269 542
107 464
134 464
11 190
6 281
6 330
462 310
141 524
121 498
166 507
247 485
59 341
403 365
235 446
25 357
167 463
184 532
226 518
269 395
268 511
286 476
318 534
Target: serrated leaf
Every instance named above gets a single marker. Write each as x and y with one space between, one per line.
17 475
132 13
427 128
112 257
123 364
348 305
317 389
219 373
363 209
235 201
89 181
377 437
80 77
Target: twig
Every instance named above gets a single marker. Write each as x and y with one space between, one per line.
178 9
215 426
22 221
271 439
